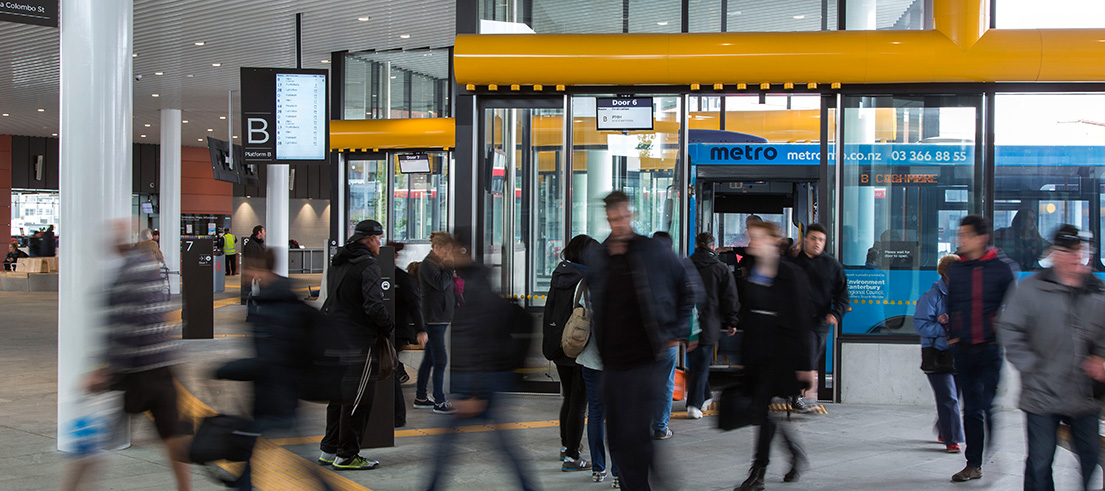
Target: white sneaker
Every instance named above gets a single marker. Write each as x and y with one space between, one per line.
706 404
694 412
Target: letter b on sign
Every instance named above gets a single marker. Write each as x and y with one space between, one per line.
258 130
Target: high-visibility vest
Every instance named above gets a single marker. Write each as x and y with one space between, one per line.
228 244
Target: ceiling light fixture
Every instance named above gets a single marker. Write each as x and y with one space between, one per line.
222 117
143 136
185 121
664 23
235 137
404 36
799 17
210 129
325 61
156 95
54 134
4 115
41 110
199 139
134 55
159 73
216 64
200 43
147 125
362 19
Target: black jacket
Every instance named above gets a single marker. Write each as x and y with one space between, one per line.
775 322
281 332
667 290
355 299
976 290
438 295
12 258
489 333
828 286
408 308
721 306
558 309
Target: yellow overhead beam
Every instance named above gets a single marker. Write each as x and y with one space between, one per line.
393 134
961 49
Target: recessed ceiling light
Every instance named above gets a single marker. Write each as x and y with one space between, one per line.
662 23
210 129
54 134
235 137
199 43
199 139
4 115
185 121
799 17
362 19
41 110
143 136
326 61
222 117
189 75
404 36
147 125
156 95
159 73
134 55
216 64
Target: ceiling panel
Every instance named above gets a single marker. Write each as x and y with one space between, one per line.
235 34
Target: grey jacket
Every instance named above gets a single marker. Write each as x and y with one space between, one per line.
1048 329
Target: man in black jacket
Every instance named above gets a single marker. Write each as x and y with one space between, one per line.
641 296
720 309
828 297
355 303
253 257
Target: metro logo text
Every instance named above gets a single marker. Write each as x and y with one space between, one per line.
746 152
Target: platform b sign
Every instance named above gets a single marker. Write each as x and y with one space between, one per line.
285 118
258 131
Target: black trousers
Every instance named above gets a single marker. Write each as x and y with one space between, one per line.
231 264
627 395
400 403
573 409
345 428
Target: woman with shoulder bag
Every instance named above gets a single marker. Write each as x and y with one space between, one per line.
559 305
931 320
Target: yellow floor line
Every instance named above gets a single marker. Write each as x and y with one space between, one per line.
274 468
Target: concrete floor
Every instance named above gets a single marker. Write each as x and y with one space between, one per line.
853 447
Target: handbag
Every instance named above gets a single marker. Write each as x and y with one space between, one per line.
223 437
577 330
387 360
937 361
734 409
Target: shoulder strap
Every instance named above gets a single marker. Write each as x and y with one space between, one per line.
581 291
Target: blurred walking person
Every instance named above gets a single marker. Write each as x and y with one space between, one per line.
140 353
931 322
409 327
775 344
1053 331
437 280
567 291
642 297
829 297
253 254
491 337
720 311
355 303
977 286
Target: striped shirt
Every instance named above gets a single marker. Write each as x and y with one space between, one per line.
137 301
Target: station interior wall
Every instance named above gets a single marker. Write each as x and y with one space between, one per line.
309 223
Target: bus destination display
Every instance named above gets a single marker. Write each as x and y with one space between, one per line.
284 116
623 113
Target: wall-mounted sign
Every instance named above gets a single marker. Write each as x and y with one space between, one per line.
413 163
37 12
285 119
623 113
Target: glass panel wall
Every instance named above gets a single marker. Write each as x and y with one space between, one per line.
1050 161
397 84
643 164
421 200
367 198
908 178
870 15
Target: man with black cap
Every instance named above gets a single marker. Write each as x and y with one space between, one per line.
355 303
1053 331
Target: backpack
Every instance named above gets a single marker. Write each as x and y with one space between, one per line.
577 330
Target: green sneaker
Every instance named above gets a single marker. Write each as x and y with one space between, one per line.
355 463
326 458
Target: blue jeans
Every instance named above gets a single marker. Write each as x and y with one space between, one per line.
596 422
662 413
434 357
947 407
978 369
487 386
698 375
1042 438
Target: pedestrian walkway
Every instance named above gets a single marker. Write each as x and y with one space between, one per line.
853 447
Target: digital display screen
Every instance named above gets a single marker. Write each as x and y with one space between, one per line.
414 163
300 116
623 113
147 208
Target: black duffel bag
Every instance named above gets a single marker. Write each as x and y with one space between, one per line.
223 437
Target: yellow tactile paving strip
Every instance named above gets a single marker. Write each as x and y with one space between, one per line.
174 316
274 468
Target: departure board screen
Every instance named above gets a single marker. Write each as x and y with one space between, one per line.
300 116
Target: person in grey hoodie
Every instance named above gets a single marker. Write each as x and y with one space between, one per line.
1053 331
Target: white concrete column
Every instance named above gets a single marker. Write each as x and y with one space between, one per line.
277 214
95 180
170 194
